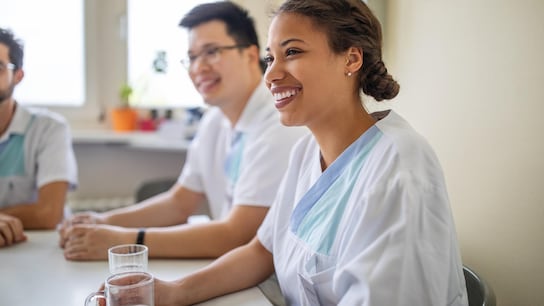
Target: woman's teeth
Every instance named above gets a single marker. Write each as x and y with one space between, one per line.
283 95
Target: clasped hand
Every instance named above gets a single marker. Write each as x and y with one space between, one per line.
11 230
83 237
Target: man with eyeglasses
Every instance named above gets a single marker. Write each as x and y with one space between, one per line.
37 163
235 162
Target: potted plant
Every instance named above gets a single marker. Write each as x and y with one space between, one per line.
124 118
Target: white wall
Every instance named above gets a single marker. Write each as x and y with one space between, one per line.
261 11
471 76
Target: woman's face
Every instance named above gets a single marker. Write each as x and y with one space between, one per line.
306 78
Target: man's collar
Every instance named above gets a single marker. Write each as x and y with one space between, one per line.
20 120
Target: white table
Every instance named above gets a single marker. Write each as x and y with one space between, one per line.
35 273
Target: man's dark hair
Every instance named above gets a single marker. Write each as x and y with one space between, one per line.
15 47
237 20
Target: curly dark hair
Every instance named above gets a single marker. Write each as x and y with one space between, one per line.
15 47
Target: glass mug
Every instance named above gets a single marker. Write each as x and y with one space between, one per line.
127 257
125 289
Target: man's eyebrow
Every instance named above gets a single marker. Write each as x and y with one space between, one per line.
206 46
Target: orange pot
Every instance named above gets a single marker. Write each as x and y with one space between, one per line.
124 119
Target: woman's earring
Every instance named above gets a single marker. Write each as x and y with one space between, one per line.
349 73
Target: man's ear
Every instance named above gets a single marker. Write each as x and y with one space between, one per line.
253 53
354 59
18 75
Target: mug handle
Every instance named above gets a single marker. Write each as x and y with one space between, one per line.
95 296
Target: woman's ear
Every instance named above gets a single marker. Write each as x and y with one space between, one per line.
354 60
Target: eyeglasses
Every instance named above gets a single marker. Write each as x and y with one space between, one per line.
210 55
8 66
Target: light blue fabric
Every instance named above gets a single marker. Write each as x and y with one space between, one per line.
234 158
316 218
12 157
3 145
12 154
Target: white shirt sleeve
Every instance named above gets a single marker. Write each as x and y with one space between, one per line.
55 158
264 165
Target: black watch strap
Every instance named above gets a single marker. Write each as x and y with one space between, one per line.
141 236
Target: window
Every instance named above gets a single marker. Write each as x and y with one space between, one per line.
54 50
155 45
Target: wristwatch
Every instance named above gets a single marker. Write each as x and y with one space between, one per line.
140 237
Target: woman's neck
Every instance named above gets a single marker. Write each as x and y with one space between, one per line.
336 135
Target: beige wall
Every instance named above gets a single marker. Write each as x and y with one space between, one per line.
260 11
471 75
